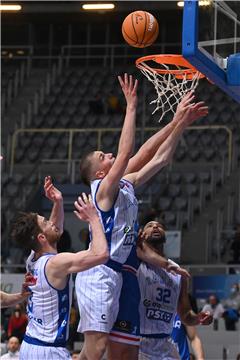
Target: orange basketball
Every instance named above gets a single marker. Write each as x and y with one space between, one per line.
140 29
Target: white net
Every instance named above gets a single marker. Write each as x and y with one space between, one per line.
170 87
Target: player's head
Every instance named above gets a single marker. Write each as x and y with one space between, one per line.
33 231
95 165
154 234
13 344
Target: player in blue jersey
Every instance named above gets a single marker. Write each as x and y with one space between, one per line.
162 296
50 300
181 334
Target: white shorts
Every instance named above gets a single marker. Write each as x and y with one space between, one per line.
157 349
36 352
98 291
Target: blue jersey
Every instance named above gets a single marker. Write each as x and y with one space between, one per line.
179 337
120 222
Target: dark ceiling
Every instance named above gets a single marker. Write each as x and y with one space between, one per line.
73 6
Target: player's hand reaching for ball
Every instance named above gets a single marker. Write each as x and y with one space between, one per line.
205 318
85 209
51 192
188 111
129 87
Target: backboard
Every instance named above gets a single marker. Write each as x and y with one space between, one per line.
211 42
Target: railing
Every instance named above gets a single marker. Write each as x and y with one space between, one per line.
40 95
100 131
109 54
14 85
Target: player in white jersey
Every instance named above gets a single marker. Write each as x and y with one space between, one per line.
50 300
101 168
151 157
114 198
162 296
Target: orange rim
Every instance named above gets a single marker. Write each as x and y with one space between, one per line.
188 70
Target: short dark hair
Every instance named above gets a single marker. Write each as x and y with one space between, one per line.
25 230
86 168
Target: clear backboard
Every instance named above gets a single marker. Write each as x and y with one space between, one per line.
211 41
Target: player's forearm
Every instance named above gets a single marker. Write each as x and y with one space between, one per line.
99 243
167 149
151 257
149 148
197 348
11 299
190 318
57 215
127 139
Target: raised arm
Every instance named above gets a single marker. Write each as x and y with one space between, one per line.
54 195
187 315
189 113
63 264
110 183
150 147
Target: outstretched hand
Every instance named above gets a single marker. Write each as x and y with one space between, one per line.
189 111
51 192
129 87
177 270
28 281
85 209
205 318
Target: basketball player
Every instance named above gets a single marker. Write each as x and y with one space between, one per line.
124 336
162 295
96 166
98 289
7 300
50 301
181 334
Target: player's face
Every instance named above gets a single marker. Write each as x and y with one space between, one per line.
50 230
103 161
154 230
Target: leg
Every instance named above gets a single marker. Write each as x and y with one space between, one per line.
95 344
121 351
124 337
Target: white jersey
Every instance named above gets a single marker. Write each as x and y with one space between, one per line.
120 222
48 309
159 298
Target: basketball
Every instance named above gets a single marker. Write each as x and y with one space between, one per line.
140 29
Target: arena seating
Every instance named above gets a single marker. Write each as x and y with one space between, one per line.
181 192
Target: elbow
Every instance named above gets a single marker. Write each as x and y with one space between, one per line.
103 257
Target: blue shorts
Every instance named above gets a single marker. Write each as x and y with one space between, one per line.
127 326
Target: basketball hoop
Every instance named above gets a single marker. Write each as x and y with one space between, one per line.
172 77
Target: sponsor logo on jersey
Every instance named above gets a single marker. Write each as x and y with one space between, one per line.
177 324
129 240
153 314
127 229
123 325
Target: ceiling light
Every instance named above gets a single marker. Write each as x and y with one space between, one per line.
98 6
10 7
201 3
